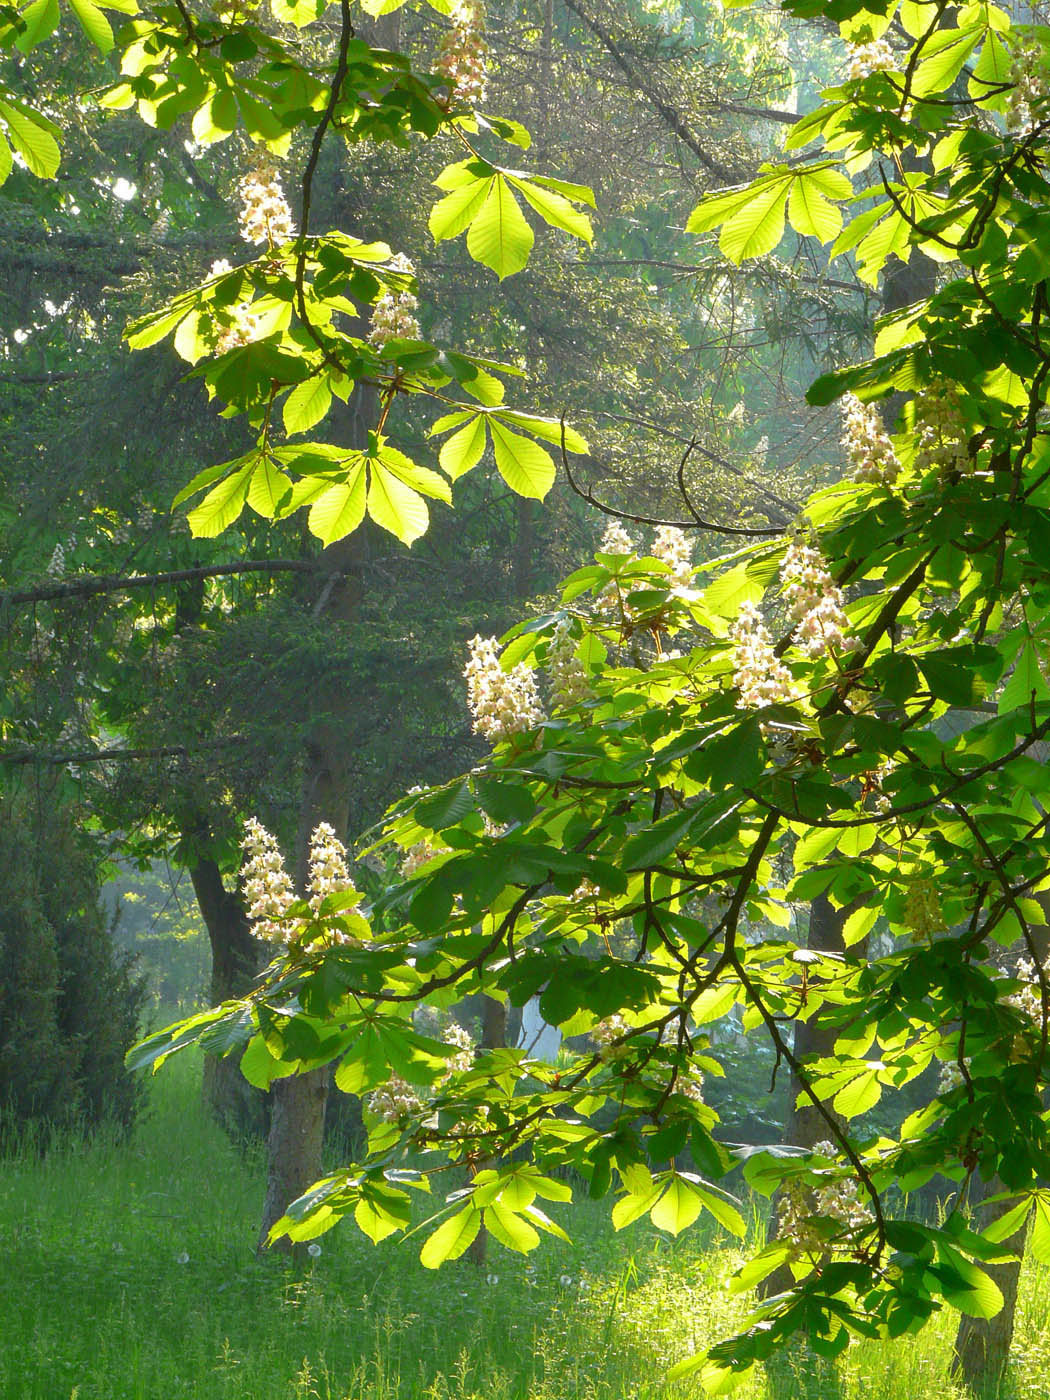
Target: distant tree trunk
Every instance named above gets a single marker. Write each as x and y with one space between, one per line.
235 958
982 1344
294 1146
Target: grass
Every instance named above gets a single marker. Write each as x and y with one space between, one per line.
129 1274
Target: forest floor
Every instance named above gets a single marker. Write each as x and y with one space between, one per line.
128 1273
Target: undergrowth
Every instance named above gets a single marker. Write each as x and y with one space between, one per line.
130 1275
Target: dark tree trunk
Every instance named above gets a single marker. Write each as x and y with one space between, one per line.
982 1344
235 956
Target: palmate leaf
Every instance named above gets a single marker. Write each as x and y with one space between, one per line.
480 199
752 219
525 466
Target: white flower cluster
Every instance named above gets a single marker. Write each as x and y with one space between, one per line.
268 888
869 451
328 869
949 1077
758 673
814 600
673 549
691 1085
267 885
220 267
1027 998
416 857
395 1100
865 59
57 564
569 681
243 330
616 540
456 1036
1026 100
942 434
606 1033
922 908
265 215
393 315
461 59
501 702
799 1206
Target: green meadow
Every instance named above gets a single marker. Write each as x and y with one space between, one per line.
130 1274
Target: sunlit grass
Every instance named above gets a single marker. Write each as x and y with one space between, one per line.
129 1272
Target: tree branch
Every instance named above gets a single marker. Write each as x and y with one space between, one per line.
92 584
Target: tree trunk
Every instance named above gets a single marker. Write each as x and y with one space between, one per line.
798 1372
493 1037
982 1344
235 955
294 1146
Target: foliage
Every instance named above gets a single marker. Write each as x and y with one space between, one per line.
70 1002
703 779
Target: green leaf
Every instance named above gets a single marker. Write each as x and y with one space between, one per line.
269 486
525 466
382 1211
758 227
307 404
340 509
1026 682
40 20
677 1208
510 1228
725 1213
633 1206
463 450
1040 1240
862 1092
451 1239
555 210
31 136
222 505
215 118
451 215
810 212
499 236
978 1296
94 24
395 506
